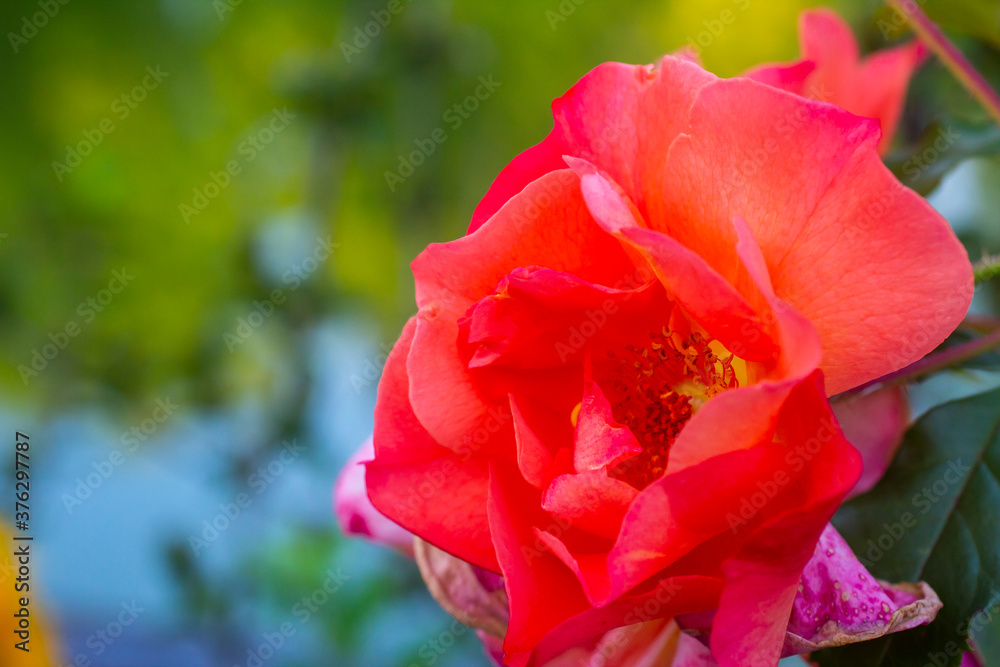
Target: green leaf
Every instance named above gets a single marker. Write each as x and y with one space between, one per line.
934 517
940 148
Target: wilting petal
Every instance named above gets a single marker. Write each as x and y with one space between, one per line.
492 647
461 590
839 602
355 511
874 423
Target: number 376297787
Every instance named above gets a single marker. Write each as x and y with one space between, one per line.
22 476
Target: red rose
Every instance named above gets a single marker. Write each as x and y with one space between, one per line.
614 392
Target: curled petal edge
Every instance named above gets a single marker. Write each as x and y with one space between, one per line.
921 611
460 589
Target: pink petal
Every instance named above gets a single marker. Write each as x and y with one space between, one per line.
355 512
712 301
535 438
649 644
692 653
792 78
832 71
884 79
827 40
600 440
839 602
459 589
541 318
875 424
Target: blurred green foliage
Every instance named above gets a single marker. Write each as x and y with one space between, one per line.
227 67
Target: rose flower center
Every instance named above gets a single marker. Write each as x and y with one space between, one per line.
656 388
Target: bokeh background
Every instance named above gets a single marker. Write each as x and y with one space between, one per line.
197 190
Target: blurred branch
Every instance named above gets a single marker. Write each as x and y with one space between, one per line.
980 323
933 363
987 268
931 35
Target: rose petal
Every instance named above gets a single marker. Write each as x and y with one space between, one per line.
458 588
427 489
546 225
749 629
872 318
591 500
622 117
839 602
875 424
692 653
355 511
832 71
600 440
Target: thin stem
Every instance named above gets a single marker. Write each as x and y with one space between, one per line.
954 60
980 323
933 363
987 268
